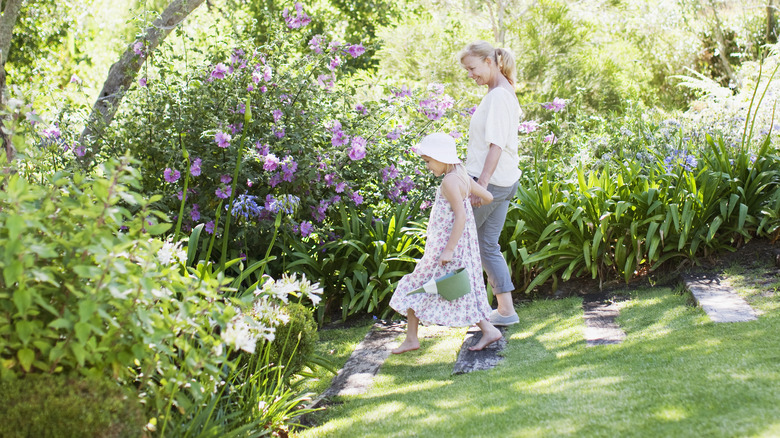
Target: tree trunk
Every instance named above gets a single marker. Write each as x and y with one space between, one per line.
7 23
722 48
771 23
123 72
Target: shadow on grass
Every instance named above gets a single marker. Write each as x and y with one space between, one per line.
676 374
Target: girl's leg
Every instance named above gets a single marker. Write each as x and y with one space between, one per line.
490 334
411 342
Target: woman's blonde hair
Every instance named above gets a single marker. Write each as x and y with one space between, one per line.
503 58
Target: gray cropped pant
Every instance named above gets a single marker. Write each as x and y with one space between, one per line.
490 220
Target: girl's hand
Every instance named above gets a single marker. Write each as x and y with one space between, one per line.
446 256
476 201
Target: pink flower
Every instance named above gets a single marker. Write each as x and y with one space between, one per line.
355 50
74 79
339 138
306 228
222 139
334 63
219 71
300 18
271 163
556 105
315 43
195 167
550 138
142 82
171 175
138 48
528 126
358 151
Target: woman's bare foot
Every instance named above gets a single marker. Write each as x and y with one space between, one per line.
407 345
488 337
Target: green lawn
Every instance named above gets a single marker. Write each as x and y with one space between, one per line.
676 374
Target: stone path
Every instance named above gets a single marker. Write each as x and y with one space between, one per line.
719 300
361 367
484 359
600 327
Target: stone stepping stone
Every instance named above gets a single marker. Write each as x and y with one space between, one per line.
719 300
358 372
600 327
484 359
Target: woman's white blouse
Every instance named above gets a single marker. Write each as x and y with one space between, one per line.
495 121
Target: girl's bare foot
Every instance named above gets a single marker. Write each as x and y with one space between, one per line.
488 337
407 345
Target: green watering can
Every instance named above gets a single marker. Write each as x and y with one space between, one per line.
450 286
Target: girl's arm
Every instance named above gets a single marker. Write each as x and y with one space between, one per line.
477 190
451 188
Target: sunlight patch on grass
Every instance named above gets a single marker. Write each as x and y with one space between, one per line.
671 413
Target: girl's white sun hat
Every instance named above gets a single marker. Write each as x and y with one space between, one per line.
440 147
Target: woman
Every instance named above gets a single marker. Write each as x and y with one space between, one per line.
492 161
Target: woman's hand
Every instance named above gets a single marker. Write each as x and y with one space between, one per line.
446 256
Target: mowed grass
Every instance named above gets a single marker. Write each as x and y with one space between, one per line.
677 374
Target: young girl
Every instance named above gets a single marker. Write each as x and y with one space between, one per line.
451 244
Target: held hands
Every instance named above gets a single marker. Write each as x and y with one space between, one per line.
446 256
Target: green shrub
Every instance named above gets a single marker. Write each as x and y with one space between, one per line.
58 406
294 342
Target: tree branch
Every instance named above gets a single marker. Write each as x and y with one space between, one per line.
123 72
7 23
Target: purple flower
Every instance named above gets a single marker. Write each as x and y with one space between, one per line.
263 149
52 133
195 213
225 179
528 126
234 129
277 114
75 79
326 81
209 227
556 105
550 138
222 139
80 151
340 187
329 178
271 163
300 18
195 167
219 71
306 228
389 172
361 109
138 48
279 132
339 138
289 166
223 192
334 63
358 151
357 198
142 82
333 46
355 50
171 175
315 43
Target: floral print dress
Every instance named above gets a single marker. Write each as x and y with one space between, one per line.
433 309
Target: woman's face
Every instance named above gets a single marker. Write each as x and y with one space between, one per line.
437 167
478 69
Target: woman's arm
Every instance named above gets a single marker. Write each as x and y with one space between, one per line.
491 162
451 189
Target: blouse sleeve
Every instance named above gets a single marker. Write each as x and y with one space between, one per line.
501 120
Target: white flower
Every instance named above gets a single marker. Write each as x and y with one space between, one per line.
238 335
171 253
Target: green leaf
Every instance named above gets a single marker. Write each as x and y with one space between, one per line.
13 272
158 229
79 353
82 330
15 225
61 323
24 330
22 299
87 271
26 358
